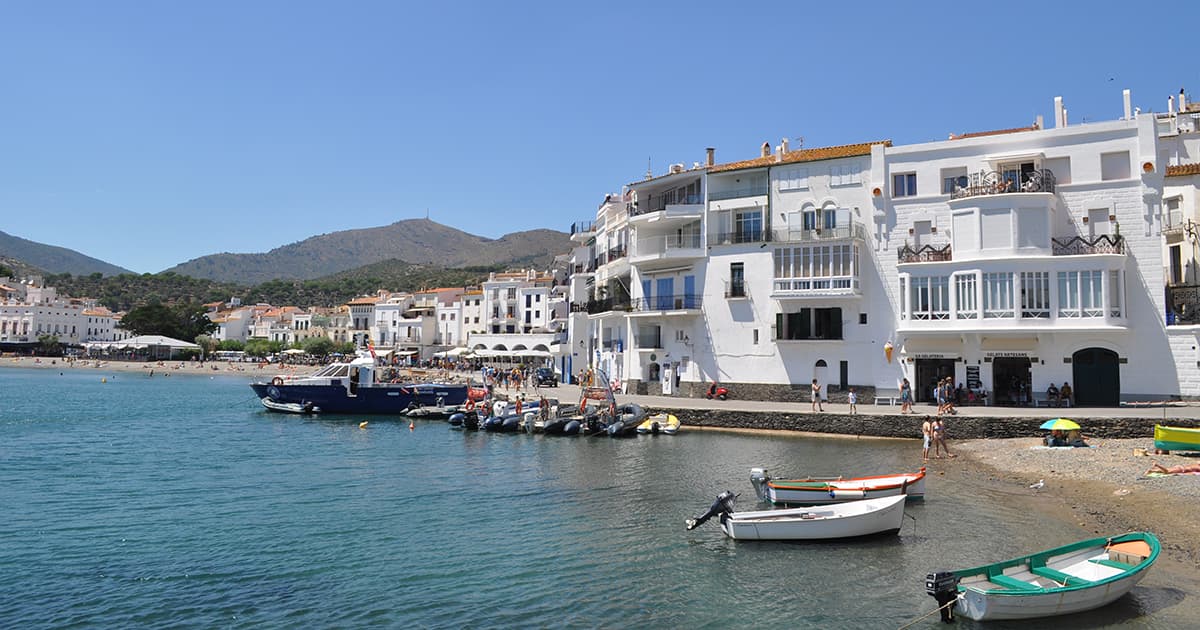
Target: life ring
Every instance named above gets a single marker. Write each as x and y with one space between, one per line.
277 381
470 405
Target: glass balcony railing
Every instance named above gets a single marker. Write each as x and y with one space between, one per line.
660 245
735 193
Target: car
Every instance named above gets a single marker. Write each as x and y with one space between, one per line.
545 376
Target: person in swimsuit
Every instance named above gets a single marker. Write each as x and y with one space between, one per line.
926 437
939 439
816 397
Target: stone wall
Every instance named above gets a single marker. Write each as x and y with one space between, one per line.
957 427
799 392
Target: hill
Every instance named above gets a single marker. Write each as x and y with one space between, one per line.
54 259
415 241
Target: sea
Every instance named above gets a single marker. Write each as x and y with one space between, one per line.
131 501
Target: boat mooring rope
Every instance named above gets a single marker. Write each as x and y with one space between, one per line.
935 610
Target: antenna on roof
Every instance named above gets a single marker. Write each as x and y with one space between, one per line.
649 173
799 142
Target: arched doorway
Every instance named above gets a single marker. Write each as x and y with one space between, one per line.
819 373
1097 373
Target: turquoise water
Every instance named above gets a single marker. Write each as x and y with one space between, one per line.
177 502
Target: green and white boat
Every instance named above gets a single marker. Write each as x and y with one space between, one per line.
1069 579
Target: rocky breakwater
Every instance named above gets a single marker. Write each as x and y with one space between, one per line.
961 426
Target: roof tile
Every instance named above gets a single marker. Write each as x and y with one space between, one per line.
803 155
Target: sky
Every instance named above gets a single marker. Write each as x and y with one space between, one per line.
147 134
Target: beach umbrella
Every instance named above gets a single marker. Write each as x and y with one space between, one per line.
1059 424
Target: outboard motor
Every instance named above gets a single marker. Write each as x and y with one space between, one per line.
471 421
943 586
723 505
759 479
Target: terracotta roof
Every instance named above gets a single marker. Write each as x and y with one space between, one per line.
802 155
362 301
97 312
1180 170
995 132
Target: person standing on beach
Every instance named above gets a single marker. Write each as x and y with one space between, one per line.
852 397
939 439
926 438
816 397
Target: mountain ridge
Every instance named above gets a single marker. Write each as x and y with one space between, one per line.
54 259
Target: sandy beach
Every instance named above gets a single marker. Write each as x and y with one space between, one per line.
1104 489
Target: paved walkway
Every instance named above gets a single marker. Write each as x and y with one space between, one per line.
570 393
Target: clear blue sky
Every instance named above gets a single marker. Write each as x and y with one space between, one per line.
149 133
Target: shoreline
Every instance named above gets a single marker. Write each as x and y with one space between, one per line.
1101 489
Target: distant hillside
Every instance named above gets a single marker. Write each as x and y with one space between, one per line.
54 259
416 241
18 268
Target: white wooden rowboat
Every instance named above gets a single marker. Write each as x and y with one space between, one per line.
843 520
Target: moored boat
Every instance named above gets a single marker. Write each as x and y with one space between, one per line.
851 519
659 423
1064 580
358 386
295 407
817 491
1176 438
627 419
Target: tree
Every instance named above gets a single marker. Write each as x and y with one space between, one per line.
207 345
183 321
50 346
231 344
6 271
318 346
258 347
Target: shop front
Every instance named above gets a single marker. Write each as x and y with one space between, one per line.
929 369
1012 377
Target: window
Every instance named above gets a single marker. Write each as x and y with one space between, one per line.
809 323
997 295
1080 294
810 220
929 298
1035 294
965 295
862 318
845 175
950 181
794 178
756 336
1060 168
1114 293
830 218
904 185
1114 165
748 226
737 280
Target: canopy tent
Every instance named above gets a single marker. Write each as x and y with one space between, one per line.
456 352
157 345
294 351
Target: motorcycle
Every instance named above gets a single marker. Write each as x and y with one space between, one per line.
716 391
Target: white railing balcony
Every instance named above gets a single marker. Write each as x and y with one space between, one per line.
816 287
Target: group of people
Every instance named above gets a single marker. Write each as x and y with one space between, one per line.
933 431
945 396
1065 438
1059 395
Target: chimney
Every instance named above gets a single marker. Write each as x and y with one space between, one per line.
1170 104
711 155
1182 101
778 154
766 149
784 144
1064 116
1038 122
1058 113
1128 105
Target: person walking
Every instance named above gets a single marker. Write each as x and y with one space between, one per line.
852 397
816 397
905 397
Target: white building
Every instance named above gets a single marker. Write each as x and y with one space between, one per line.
32 310
517 311
1007 260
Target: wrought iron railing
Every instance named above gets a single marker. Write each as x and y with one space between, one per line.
1000 183
735 289
666 303
605 305
1078 246
925 253
738 236
583 227
1183 305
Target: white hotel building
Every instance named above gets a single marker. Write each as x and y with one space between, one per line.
1007 260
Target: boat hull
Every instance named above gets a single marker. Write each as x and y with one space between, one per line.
1065 580
826 491
1176 438
847 520
375 399
659 423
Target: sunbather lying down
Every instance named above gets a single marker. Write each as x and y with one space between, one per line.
1174 470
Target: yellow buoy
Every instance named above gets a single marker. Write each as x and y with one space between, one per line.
362 425
103 380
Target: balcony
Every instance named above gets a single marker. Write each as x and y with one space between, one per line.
738 236
997 183
660 303
648 342
737 193
833 286
681 210
667 249
1079 246
840 232
597 307
583 230
735 290
925 253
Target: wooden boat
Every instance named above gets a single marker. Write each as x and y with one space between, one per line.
1176 438
818 491
842 520
285 407
659 423
1069 579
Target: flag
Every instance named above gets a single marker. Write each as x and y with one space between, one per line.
371 348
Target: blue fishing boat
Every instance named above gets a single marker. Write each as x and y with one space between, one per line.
357 386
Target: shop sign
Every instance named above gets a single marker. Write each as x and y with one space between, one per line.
1007 354
931 355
